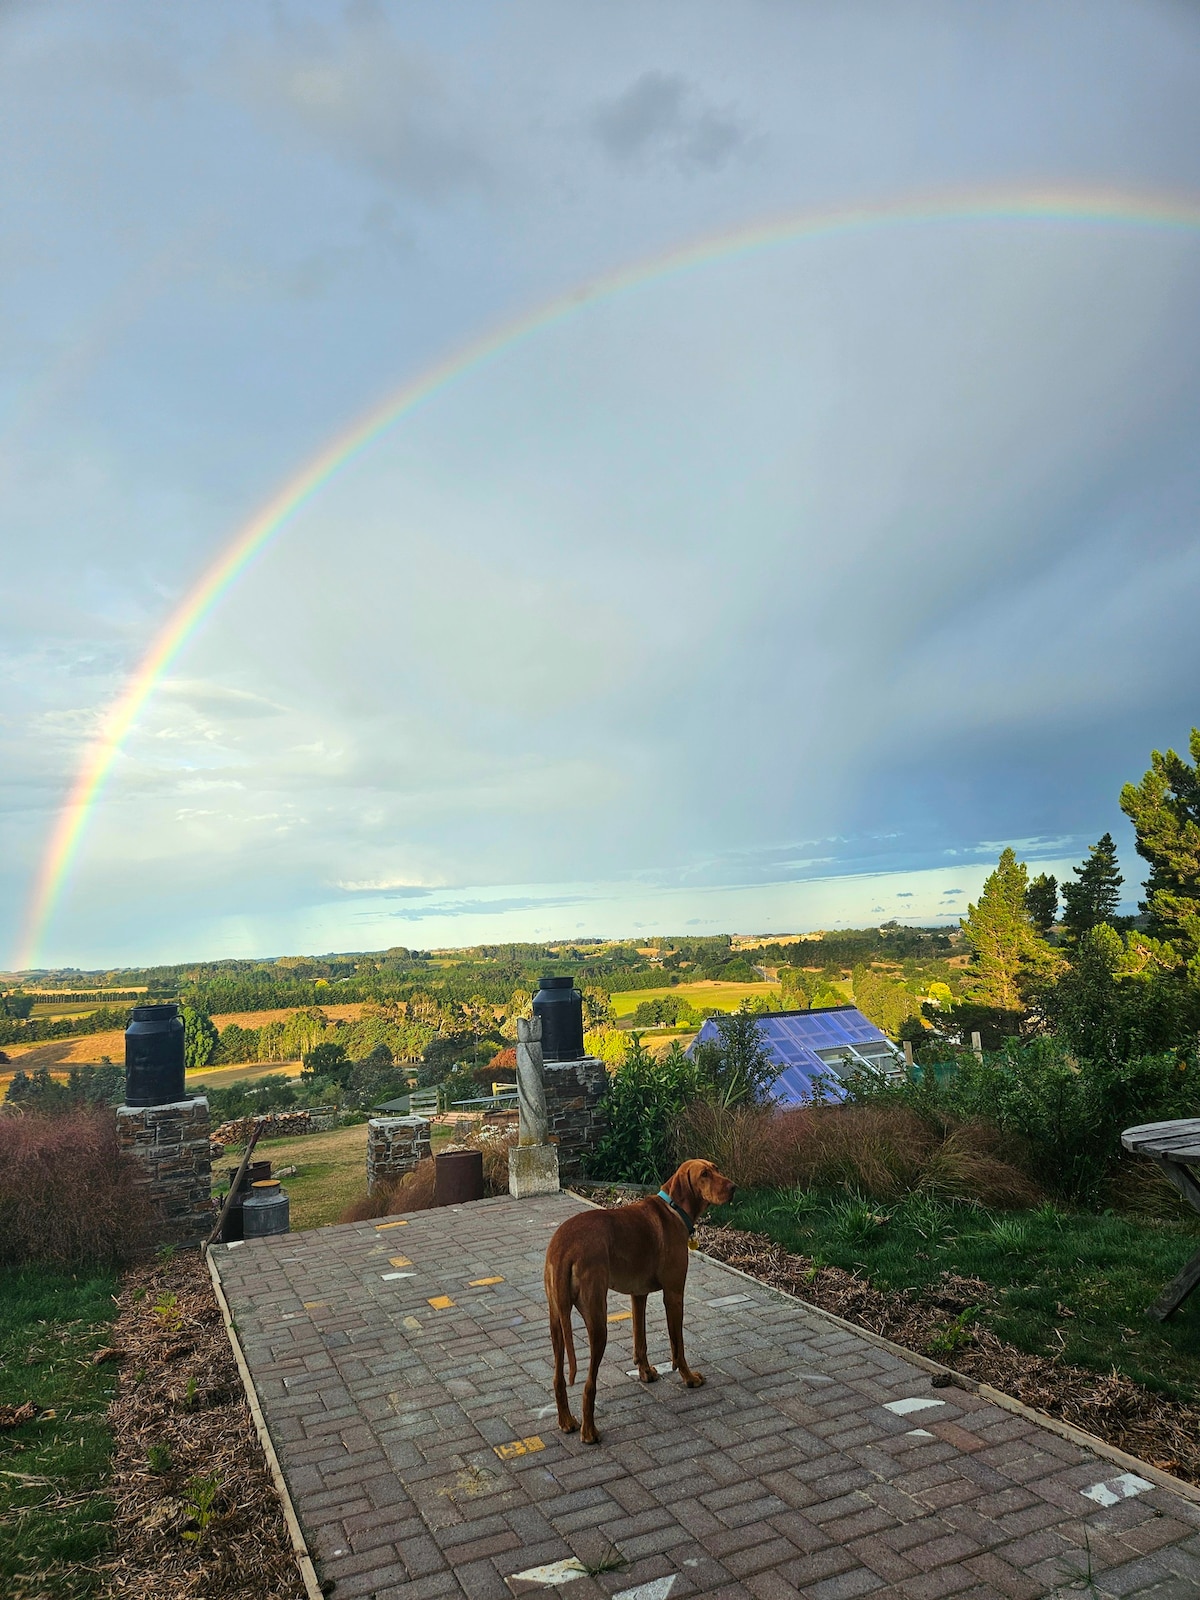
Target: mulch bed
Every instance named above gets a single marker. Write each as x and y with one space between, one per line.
1114 1408
196 1512
1123 1413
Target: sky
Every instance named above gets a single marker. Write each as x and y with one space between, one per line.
772 591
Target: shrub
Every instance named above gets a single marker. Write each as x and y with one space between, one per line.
645 1096
69 1197
1062 1118
881 1152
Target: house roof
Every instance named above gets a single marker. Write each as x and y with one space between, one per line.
820 1046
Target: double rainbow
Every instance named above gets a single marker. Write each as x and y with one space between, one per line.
1104 207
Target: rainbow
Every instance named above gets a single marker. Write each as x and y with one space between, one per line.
1103 207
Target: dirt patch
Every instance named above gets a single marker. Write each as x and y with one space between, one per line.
196 1514
937 1322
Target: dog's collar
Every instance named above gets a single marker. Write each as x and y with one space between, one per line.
678 1209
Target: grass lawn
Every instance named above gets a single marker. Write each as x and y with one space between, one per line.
1068 1284
725 996
54 1513
331 1171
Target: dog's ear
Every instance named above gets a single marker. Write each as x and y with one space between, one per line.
715 1187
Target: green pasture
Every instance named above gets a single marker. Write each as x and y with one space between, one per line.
54 1510
1067 1284
724 996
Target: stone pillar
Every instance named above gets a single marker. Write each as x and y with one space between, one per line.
171 1146
574 1092
532 1164
394 1146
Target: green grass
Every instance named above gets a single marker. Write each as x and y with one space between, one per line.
724 996
1103 1269
54 1513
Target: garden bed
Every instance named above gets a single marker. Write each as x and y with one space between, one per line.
195 1511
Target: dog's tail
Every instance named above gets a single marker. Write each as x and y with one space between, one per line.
558 1293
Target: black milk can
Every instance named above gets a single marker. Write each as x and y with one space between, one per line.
560 1005
154 1056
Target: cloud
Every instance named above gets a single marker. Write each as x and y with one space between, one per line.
367 98
661 115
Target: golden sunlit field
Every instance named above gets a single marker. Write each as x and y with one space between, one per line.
707 992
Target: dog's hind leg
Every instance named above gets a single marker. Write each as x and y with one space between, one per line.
646 1372
673 1306
593 1303
561 1342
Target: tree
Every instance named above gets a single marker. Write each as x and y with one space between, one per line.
1041 901
1096 896
737 1066
597 1008
1007 955
199 1037
328 1061
793 989
1165 811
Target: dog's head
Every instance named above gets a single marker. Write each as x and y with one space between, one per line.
697 1185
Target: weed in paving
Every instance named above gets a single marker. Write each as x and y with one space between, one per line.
1072 1285
55 1516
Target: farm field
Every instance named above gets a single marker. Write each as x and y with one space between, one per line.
706 992
246 1072
350 1012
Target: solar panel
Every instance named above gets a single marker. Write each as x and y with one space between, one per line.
816 1049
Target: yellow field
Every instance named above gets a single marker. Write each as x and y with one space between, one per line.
350 1012
204 1078
707 992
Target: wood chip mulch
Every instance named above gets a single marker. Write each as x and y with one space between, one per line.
196 1512
1113 1408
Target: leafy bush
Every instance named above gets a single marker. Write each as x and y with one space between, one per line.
1062 1119
69 1197
648 1094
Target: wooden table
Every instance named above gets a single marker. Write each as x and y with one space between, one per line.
1176 1148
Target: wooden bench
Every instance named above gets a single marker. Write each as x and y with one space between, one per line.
1176 1148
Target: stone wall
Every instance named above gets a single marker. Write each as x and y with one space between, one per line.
170 1144
394 1146
574 1090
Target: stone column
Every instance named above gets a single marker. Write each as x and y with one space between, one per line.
575 1092
532 1164
394 1147
171 1146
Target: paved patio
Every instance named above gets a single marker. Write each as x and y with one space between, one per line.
404 1372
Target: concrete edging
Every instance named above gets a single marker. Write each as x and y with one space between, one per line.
1065 1430
299 1546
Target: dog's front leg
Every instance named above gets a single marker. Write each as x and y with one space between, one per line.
673 1306
646 1372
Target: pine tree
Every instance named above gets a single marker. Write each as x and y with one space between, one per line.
1095 898
1007 954
1041 901
1165 811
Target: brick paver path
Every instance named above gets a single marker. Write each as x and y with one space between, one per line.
793 1471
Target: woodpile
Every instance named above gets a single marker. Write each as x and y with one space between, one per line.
277 1125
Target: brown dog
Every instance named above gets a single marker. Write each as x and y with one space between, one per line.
637 1250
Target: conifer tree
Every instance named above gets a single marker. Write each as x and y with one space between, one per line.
1096 896
1165 810
1041 901
1008 955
